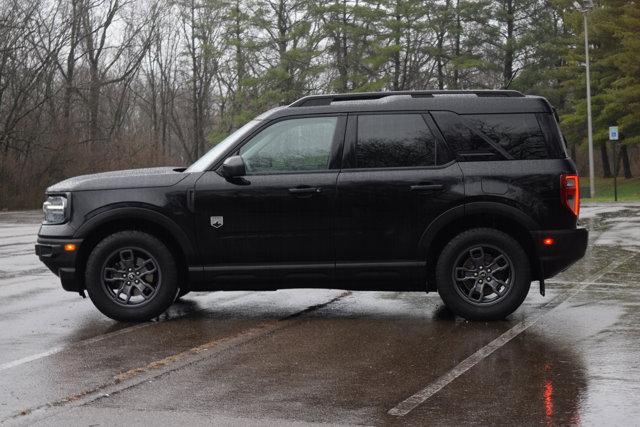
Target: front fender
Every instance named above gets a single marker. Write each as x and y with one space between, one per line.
141 212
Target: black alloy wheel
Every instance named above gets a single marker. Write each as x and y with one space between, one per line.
131 276
483 274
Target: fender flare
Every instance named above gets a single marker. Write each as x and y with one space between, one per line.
485 208
141 212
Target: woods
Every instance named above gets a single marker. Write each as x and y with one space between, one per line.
93 85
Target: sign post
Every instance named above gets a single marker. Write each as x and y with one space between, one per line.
614 135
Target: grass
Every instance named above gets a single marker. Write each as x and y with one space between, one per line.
628 189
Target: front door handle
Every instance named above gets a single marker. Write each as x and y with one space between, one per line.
426 187
305 190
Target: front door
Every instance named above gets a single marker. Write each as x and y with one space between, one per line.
398 177
275 223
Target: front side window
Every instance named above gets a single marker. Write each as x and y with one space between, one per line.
396 140
290 146
204 162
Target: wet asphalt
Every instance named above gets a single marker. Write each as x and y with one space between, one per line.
297 357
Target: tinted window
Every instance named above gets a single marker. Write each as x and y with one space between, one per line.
464 141
290 146
396 140
518 134
552 134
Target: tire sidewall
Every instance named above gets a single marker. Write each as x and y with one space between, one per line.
99 295
502 241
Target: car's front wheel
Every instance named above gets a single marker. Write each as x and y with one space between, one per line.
181 293
131 276
483 274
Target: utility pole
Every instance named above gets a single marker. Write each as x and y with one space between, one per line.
586 6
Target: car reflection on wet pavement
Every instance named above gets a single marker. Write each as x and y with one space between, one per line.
327 356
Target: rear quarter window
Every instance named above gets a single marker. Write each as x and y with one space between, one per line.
519 135
499 136
466 143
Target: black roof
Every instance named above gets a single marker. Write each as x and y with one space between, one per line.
458 101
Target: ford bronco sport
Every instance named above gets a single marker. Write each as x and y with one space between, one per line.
467 193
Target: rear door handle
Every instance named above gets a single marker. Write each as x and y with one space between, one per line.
305 190
426 187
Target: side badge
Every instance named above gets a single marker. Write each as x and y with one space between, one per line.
217 221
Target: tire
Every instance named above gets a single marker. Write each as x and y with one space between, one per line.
116 281
483 274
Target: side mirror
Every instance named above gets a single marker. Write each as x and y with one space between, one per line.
233 167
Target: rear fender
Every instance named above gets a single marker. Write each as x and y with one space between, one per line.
457 213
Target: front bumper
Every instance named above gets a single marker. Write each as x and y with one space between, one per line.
569 246
62 263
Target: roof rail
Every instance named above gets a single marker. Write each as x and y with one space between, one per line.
316 100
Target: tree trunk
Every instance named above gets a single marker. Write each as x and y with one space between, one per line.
440 44
94 104
71 63
439 64
396 54
604 154
155 122
195 153
455 84
509 48
283 54
343 66
240 66
626 164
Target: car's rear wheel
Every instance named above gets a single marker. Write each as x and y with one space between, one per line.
131 276
483 274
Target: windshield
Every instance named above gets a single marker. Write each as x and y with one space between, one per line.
203 163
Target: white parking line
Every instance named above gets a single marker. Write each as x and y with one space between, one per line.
55 350
412 402
599 283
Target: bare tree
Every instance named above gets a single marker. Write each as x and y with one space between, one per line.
111 63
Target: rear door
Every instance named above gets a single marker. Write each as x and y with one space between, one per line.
397 177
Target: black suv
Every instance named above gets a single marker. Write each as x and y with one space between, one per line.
469 193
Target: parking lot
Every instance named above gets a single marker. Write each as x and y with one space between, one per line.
327 356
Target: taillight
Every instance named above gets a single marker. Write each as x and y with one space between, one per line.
570 192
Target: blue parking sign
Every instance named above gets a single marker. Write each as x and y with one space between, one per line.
613 133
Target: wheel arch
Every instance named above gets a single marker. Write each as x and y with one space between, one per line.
495 215
135 218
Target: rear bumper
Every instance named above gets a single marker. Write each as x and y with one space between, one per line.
569 246
62 263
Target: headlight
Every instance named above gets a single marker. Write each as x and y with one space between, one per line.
55 210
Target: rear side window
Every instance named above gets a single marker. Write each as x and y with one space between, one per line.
552 134
498 136
396 140
468 144
519 135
